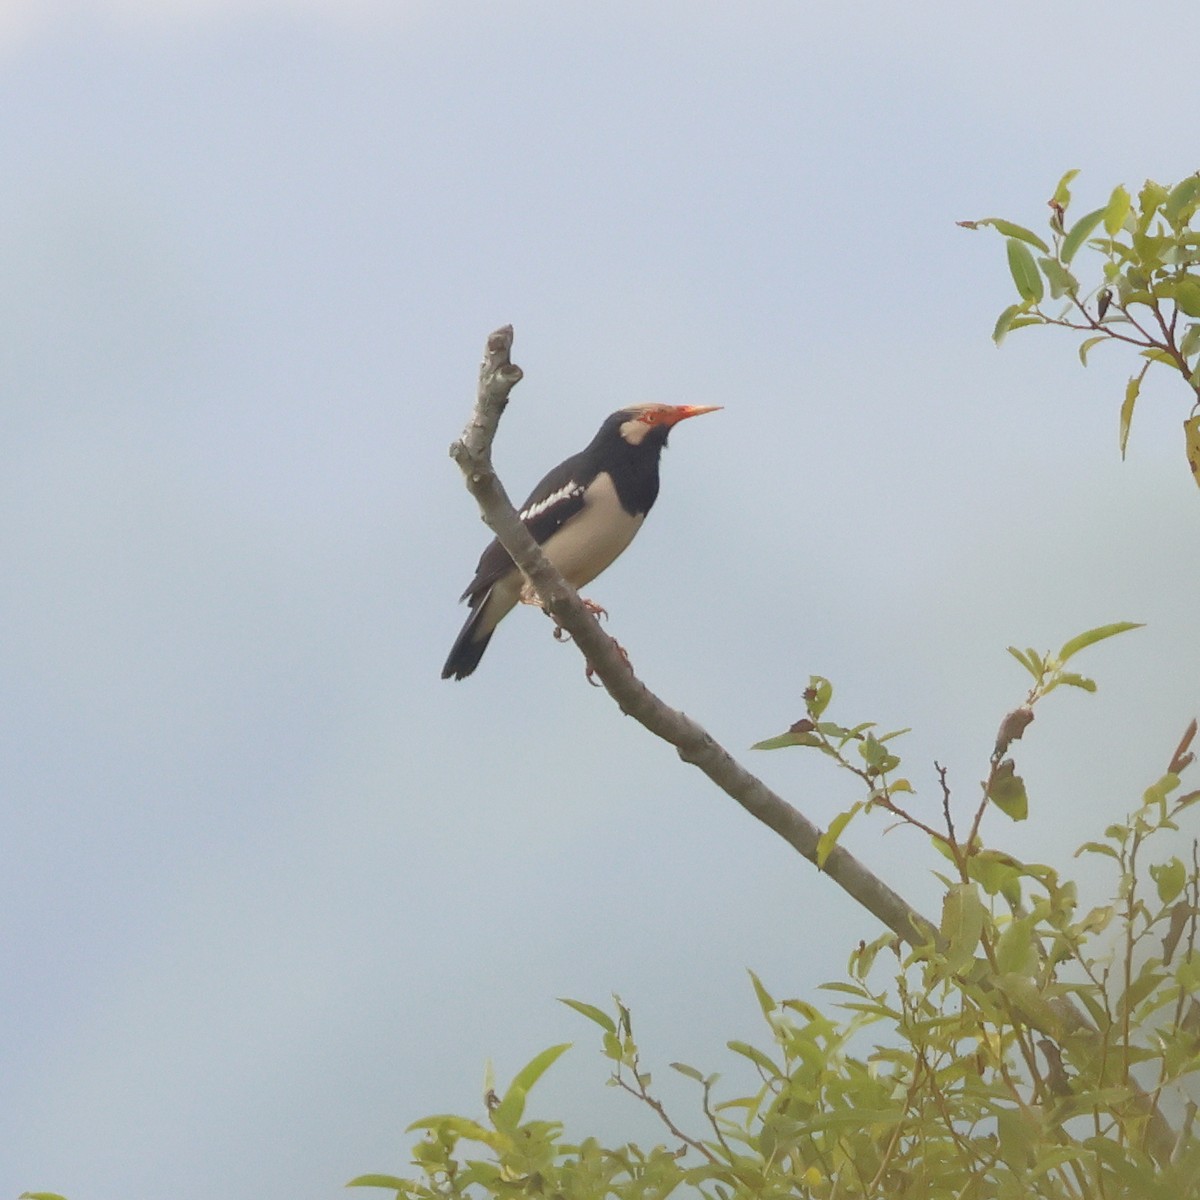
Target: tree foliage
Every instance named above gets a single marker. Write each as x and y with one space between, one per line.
1146 293
963 1069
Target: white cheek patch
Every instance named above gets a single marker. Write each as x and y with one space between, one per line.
567 492
633 431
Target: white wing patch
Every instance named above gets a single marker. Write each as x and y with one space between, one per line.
566 492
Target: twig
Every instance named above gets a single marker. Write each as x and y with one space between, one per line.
642 1094
941 773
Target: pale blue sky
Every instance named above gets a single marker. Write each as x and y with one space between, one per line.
272 889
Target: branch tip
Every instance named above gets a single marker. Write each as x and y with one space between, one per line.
500 340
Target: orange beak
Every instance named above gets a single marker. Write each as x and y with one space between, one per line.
681 412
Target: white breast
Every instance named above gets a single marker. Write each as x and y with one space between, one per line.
591 542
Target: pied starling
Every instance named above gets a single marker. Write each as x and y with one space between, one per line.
583 514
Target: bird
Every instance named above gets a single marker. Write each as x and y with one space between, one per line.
583 514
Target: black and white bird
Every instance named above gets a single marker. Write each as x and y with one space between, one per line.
583 514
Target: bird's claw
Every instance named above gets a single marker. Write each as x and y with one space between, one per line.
563 635
529 596
590 672
560 633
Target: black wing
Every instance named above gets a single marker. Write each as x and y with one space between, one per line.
555 500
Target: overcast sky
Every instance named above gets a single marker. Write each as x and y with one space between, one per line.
271 889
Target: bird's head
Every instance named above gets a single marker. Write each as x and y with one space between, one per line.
638 420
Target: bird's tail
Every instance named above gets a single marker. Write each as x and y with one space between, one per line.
470 644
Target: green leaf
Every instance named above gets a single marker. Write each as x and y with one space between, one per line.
461 1126
507 1115
845 989
1190 342
1017 1132
1024 271
1150 200
392 1182
1132 388
864 955
756 1056
1061 281
1092 636
831 729
592 1013
1180 204
993 869
962 924
1078 234
1088 343
1070 679
765 1000
829 838
1148 979
1170 878
1117 209
1030 660
1031 1005
1011 230
1062 193
1158 792
1151 251
818 695
1016 953
684 1069
1188 972
878 759
1099 918
787 739
1187 295
1098 848
1191 435
537 1066
1012 317
1007 791
1022 322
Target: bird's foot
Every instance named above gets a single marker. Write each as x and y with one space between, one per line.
591 671
593 607
529 596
